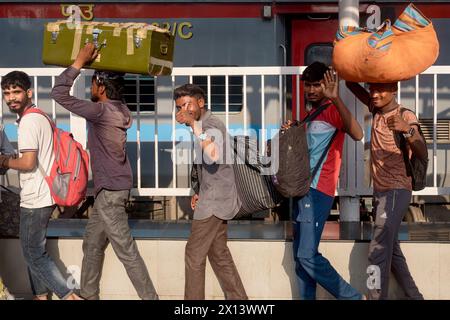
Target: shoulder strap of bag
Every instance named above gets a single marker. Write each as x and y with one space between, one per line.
310 117
34 109
322 157
403 147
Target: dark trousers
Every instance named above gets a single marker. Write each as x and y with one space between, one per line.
109 223
209 239
384 249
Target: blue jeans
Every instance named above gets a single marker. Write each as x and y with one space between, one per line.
310 214
43 272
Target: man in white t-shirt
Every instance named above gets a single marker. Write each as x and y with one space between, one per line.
35 144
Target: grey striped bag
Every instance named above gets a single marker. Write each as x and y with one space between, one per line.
256 191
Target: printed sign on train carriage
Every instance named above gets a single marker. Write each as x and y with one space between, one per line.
76 13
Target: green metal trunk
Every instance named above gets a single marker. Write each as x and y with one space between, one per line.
124 47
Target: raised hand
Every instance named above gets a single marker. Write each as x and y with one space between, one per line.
85 56
396 123
183 116
330 85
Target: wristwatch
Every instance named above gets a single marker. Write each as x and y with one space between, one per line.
410 132
202 136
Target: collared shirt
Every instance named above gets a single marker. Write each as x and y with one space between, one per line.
218 193
108 123
388 165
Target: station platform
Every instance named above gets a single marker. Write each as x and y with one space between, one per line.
262 252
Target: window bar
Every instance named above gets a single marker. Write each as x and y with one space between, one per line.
35 96
297 94
227 102
263 117
280 96
1 109
138 132
156 137
244 104
434 130
209 92
53 102
174 151
417 97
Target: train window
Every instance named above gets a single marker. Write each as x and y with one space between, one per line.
319 52
146 85
235 84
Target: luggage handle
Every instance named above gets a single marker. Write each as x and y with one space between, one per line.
164 48
95 34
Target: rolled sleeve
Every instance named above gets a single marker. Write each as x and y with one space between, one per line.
91 111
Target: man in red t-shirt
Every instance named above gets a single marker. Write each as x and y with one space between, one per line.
312 210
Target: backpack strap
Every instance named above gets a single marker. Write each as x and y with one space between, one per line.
34 109
403 144
311 116
322 157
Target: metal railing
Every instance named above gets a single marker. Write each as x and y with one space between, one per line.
258 84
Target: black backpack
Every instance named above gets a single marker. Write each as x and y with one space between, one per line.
416 168
294 177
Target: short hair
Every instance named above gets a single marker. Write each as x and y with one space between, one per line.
389 86
113 81
314 72
190 90
16 79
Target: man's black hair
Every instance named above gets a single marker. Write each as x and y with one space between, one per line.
314 72
113 81
190 90
16 79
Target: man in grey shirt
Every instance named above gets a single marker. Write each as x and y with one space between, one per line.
108 119
216 202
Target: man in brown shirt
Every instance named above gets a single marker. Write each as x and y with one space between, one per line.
108 119
392 186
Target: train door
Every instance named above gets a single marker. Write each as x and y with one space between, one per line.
311 40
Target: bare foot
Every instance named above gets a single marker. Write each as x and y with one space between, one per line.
41 297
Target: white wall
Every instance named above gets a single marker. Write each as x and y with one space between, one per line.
266 268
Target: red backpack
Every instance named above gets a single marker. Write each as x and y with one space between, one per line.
69 173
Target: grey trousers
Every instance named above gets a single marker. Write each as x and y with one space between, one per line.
209 238
384 249
109 223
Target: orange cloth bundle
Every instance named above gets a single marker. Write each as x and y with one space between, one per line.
391 53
